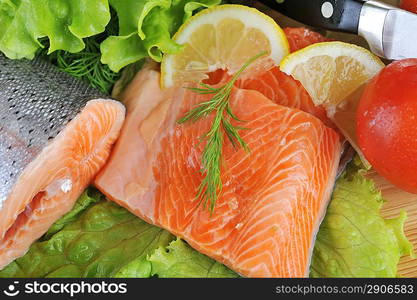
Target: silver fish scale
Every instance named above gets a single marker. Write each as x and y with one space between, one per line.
36 102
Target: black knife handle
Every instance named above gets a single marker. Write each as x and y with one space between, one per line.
344 16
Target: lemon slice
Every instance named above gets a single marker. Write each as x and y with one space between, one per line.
331 71
223 37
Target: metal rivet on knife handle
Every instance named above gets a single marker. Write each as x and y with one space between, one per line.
327 10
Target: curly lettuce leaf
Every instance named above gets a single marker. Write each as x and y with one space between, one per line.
146 28
100 242
178 260
64 22
98 238
140 267
354 240
88 198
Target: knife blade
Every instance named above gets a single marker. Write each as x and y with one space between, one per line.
390 32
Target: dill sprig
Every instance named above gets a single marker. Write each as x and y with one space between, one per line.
87 65
211 185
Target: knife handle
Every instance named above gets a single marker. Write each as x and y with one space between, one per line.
336 15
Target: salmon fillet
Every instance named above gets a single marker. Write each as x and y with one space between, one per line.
273 198
279 88
50 184
300 37
285 90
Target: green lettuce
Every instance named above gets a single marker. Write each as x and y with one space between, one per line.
99 243
179 260
354 240
140 267
146 28
64 22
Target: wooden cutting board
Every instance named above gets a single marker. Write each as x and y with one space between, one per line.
397 199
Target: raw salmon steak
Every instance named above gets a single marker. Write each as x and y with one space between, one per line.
273 198
53 141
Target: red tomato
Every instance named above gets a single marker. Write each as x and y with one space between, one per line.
387 123
410 5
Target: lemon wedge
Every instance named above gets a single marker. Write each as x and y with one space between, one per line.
334 74
223 37
331 71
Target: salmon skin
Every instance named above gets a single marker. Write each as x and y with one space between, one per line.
273 199
55 135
